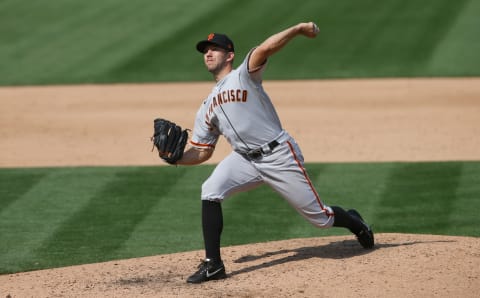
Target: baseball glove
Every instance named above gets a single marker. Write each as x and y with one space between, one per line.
169 139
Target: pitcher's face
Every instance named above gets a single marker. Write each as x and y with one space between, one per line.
216 58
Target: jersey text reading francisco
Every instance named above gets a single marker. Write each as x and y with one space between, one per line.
232 95
227 96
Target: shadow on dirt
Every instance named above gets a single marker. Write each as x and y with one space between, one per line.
334 250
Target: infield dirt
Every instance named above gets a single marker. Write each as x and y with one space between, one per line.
333 121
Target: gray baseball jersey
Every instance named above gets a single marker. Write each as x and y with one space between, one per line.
263 152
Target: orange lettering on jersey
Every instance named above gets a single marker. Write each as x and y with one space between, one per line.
237 96
224 97
244 95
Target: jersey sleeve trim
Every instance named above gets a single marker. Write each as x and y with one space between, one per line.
200 145
258 68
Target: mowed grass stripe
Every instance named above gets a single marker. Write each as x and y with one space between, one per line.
101 227
14 184
386 38
78 33
173 222
124 34
461 60
463 218
353 185
34 216
90 36
419 198
259 215
159 60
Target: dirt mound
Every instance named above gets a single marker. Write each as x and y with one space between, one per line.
400 266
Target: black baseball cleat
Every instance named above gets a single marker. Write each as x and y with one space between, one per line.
365 236
208 270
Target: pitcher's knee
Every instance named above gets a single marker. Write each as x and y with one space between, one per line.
323 219
212 192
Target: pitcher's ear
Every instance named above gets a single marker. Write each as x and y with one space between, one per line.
231 56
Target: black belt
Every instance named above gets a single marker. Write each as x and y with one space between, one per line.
259 152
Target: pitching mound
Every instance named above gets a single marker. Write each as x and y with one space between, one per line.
400 266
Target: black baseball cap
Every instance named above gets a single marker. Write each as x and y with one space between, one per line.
218 39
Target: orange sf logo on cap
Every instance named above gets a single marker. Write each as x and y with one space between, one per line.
210 36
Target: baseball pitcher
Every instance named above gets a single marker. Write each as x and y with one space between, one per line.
262 151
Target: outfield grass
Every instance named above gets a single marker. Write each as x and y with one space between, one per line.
52 217
67 41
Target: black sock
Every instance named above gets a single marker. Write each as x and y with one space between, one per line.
212 224
345 220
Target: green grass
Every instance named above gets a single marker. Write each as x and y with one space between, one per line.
51 217
68 41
